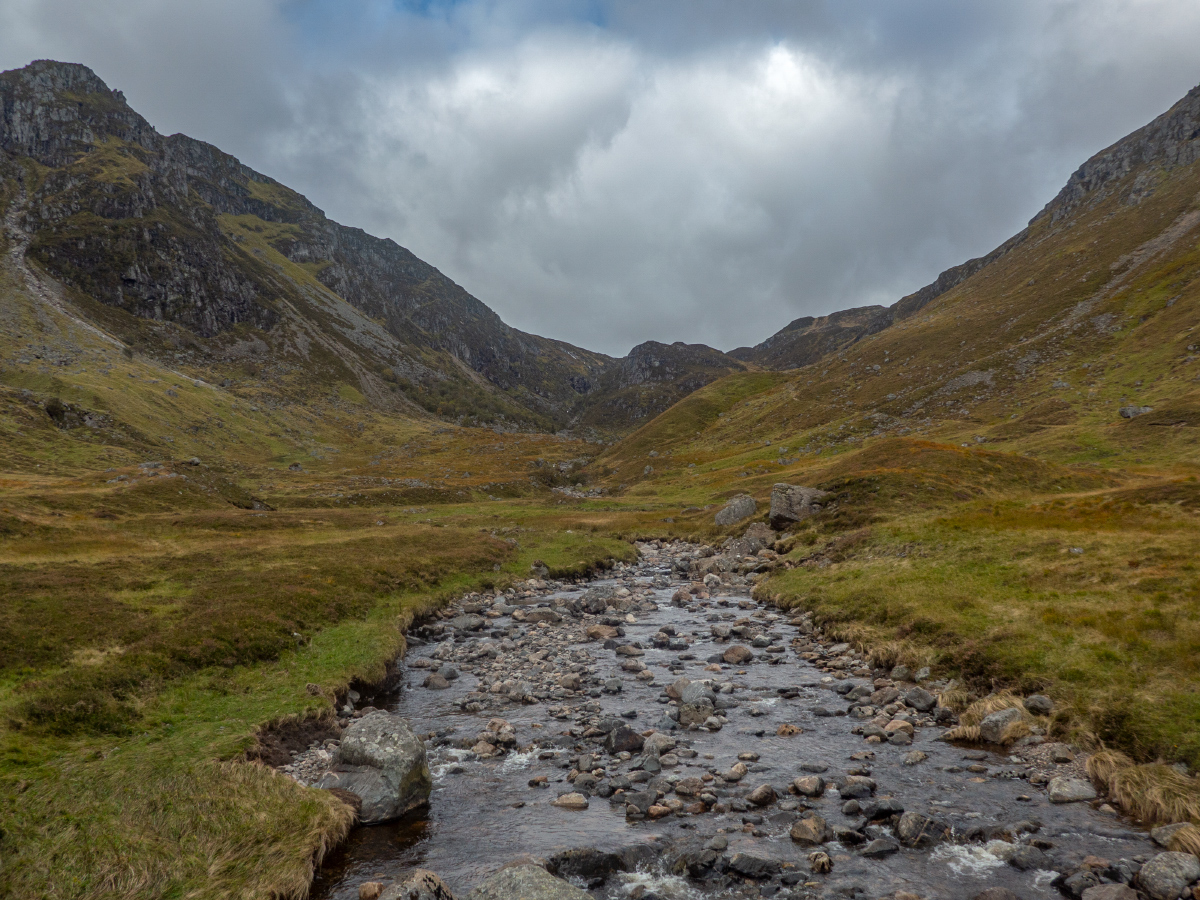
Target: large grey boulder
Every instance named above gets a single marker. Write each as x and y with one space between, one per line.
526 883
993 727
794 503
383 763
739 508
1165 876
1070 790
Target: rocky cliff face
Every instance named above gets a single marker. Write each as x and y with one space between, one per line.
170 230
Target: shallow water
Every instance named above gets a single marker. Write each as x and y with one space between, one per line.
475 822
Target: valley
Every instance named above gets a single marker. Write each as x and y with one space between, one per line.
246 454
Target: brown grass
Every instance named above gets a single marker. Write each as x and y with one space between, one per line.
1152 792
1186 840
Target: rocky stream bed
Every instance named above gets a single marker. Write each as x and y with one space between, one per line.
657 733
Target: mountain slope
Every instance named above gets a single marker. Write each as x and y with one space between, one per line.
177 248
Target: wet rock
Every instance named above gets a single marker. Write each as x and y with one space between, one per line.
913 757
658 744
585 863
370 890
1028 858
467 623
382 762
810 831
920 700
435 682
737 655
601 632
856 787
996 893
750 866
809 785
1039 705
793 503
527 883
763 795
571 682
534 616
623 740
695 704
993 727
1070 790
1167 874
419 884
916 830
573 800
879 848
675 689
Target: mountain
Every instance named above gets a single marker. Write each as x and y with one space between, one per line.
807 339
1074 339
186 255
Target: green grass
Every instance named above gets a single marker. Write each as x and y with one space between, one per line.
996 595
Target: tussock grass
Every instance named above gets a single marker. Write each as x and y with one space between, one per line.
981 709
1152 792
1186 840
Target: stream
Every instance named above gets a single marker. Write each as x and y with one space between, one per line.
709 833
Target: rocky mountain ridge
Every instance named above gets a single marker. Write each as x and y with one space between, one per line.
171 244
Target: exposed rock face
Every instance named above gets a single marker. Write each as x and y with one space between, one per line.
526 883
793 503
381 761
736 510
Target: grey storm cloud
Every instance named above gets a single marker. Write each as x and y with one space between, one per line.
611 172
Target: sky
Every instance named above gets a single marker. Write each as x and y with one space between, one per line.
608 172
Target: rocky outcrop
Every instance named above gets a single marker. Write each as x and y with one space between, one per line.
383 763
794 503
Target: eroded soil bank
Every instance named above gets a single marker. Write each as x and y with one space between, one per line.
648 735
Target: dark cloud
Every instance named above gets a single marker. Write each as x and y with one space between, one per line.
610 172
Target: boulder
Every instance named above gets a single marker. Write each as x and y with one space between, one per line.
467 623
1167 874
992 729
809 785
793 503
526 883
763 795
1163 833
1070 790
916 830
737 655
573 800
750 866
419 884
623 740
739 508
1039 705
996 893
810 831
920 700
383 763
601 632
